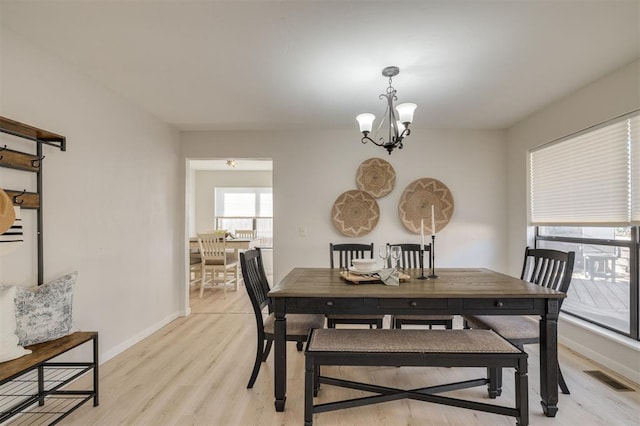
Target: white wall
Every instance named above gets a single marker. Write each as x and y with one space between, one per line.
207 181
111 206
311 169
608 97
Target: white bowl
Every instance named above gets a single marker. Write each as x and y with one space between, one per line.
364 265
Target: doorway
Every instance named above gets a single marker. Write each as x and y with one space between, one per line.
229 194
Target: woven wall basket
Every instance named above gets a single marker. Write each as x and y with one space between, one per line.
355 213
416 201
376 177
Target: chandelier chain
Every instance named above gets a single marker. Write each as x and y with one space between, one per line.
390 89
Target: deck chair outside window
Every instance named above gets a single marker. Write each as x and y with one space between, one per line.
219 266
544 267
341 255
411 258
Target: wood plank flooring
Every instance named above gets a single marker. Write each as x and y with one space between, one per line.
194 372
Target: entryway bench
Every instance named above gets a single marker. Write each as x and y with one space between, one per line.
31 378
403 347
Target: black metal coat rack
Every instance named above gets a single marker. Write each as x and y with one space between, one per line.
30 163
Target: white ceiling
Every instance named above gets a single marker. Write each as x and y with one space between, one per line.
232 65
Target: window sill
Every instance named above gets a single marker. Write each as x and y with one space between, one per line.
611 350
602 332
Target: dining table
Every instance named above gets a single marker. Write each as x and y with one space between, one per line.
236 244
458 291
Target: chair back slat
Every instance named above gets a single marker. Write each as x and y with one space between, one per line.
347 252
410 257
255 281
548 268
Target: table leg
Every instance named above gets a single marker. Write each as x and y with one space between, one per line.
280 355
549 358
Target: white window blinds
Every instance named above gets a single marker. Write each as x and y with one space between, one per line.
587 179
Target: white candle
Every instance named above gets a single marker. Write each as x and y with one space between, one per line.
422 232
433 220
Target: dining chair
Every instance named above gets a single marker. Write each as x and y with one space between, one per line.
257 285
195 268
341 255
215 259
544 267
246 234
412 258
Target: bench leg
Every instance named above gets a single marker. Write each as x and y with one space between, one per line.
41 385
494 387
96 373
522 393
309 386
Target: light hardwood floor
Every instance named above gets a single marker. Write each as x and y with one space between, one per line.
194 372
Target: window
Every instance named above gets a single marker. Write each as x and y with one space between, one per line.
245 208
604 280
585 197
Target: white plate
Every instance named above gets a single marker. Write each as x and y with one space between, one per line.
353 270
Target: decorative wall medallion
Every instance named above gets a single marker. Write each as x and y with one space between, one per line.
416 201
355 213
376 176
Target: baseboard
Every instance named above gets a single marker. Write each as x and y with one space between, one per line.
602 346
106 356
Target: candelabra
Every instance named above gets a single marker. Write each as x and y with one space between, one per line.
422 276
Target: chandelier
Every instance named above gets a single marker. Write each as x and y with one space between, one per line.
397 121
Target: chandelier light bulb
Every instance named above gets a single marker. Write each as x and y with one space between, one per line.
366 121
405 112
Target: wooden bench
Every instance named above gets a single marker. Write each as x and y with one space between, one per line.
31 378
402 347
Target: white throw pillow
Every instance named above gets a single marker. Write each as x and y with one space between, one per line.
9 348
44 312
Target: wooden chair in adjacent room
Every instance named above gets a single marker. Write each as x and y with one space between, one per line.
220 264
246 234
414 259
345 253
195 268
544 267
298 325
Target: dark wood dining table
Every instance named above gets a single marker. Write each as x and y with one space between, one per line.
456 291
